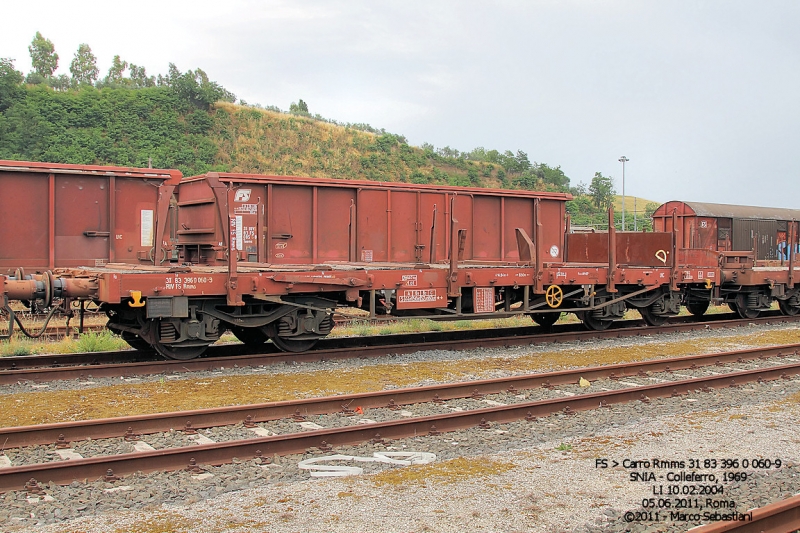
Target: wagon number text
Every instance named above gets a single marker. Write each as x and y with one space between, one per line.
186 282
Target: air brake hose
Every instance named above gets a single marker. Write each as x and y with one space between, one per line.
25 332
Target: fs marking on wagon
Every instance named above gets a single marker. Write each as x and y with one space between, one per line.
242 195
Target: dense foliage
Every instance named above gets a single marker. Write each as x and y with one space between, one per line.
108 127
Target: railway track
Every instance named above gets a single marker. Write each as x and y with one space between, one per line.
615 381
43 368
778 517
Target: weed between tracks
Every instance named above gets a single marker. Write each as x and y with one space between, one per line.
87 342
452 471
162 522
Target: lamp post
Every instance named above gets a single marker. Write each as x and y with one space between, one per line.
623 160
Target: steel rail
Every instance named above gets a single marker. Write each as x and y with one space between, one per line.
778 517
130 426
65 472
409 343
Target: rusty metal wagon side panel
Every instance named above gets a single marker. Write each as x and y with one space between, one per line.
58 215
285 220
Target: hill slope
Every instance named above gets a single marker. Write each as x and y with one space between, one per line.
267 142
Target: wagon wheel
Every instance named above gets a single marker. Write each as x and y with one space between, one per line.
651 318
554 296
747 313
294 345
787 309
289 344
697 308
250 336
545 319
180 352
597 324
742 310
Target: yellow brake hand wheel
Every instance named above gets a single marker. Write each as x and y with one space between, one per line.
553 296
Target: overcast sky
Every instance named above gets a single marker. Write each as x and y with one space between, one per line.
701 96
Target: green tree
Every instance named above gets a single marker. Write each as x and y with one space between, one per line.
650 208
501 175
451 153
478 154
579 190
10 83
139 78
34 78
527 181
553 176
602 191
194 87
43 56
523 163
116 72
84 66
581 206
647 221
299 108
472 174
60 82
508 161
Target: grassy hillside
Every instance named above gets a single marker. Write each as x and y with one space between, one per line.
268 142
631 202
644 209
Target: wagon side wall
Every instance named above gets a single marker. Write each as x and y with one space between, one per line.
305 222
75 216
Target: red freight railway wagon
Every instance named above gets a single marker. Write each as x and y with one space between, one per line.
724 227
300 221
272 257
56 215
756 248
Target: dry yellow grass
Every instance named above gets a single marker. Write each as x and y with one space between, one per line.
632 202
452 471
266 142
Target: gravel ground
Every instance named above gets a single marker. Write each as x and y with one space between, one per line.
524 476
